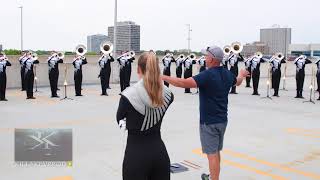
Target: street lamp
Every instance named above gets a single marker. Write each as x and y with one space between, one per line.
115 29
21 27
189 38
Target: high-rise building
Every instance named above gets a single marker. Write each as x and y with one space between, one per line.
94 42
276 38
128 36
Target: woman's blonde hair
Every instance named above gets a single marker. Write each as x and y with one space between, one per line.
149 66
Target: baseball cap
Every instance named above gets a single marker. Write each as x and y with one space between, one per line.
213 51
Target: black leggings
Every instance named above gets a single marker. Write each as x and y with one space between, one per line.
146 158
166 72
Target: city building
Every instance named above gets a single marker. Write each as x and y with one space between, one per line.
276 38
0 47
128 36
251 48
94 42
305 49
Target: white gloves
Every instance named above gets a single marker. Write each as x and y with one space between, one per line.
122 125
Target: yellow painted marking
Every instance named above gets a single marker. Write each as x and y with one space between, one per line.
243 167
313 133
274 165
61 178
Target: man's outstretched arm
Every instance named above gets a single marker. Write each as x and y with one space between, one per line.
243 74
179 82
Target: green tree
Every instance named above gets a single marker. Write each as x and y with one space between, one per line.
12 52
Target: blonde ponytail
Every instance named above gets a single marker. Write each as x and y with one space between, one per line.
149 65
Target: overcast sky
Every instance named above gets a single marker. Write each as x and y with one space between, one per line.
63 24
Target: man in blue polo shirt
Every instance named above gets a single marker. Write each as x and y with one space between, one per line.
214 85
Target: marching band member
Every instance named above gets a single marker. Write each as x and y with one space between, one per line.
122 60
300 63
3 76
77 63
179 63
255 71
247 63
166 61
29 74
318 76
202 63
276 72
130 59
53 63
224 61
22 59
188 63
108 66
105 71
233 60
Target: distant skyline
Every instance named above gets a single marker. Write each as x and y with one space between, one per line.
63 24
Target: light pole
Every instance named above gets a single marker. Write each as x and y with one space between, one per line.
21 27
115 28
189 37
115 73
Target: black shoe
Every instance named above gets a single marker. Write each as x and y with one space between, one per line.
56 96
297 97
318 99
58 89
108 87
187 92
3 99
256 94
276 95
31 98
205 177
104 94
79 95
233 93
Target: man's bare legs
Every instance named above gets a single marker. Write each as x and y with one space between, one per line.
214 165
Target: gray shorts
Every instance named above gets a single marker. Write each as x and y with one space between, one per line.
212 136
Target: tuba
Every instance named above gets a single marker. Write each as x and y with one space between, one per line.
81 50
192 56
227 50
259 54
236 47
60 55
181 56
131 54
279 56
34 56
106 48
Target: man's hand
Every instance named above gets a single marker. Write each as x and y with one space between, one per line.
244 73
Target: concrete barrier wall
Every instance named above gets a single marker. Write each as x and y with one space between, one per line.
91 71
